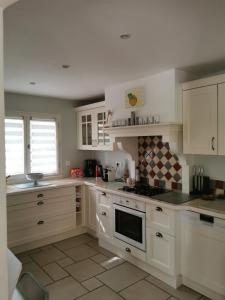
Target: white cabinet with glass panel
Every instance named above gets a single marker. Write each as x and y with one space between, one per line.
91 120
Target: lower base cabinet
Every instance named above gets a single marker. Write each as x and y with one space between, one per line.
161 250
203 252
90 197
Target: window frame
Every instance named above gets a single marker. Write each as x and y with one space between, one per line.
27 116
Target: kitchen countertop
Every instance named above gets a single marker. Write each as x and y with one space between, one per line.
214 208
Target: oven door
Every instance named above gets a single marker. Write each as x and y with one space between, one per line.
129 226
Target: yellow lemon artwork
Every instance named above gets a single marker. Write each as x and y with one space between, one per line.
134 97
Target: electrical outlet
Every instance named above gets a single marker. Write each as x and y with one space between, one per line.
118 164
67 163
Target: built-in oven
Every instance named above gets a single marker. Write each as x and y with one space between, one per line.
130 225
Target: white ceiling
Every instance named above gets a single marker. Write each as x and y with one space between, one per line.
41 35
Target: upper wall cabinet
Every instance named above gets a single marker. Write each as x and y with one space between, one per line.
90 127
200 120
204 116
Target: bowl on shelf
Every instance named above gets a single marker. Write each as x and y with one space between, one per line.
34 177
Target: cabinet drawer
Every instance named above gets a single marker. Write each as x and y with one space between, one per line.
28 214
40 195
129 250
161 218
104 198
161 251
51 226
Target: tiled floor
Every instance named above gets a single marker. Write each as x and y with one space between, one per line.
77 268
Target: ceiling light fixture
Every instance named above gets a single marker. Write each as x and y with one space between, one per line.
125 36
65 66
32 83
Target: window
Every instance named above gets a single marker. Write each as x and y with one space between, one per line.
14 146
31 145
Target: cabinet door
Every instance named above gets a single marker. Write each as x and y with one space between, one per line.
161 250
85 128
221 119
200 120
91 208
105 222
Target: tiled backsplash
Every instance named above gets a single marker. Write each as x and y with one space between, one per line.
158 164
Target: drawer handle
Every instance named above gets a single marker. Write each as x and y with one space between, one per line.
158 208
103 194
158 234
128 250
40 222
103 213
213 143
40 195
40 203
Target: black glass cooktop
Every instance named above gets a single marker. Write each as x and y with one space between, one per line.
158 193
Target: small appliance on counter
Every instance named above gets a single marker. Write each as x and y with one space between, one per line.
90 167
107 173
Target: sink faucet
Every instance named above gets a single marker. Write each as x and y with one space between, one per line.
7 177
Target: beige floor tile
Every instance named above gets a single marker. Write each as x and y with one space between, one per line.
84 270
81 252
99 258
122 276
182 292
25 259
144 291
73 242
65 289
92 284
55 271
37 272
47 256
29 252
64 262
112 262
204 298
102 293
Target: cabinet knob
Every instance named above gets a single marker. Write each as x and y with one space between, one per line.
158 234
128 250
103 213
103 194
213 143
40 222
40 203
158 208
40 195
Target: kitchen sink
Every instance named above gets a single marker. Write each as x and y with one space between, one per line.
29 185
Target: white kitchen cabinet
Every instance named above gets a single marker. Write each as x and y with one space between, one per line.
104 216
90 195
221 119
203 253
91 120
200 120
161 218
36 215
161 250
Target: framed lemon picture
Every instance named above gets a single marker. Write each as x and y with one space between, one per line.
134 97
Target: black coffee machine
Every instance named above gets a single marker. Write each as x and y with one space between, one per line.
90 167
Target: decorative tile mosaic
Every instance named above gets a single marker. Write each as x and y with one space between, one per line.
158 164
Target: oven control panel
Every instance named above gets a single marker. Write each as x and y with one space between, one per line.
131 203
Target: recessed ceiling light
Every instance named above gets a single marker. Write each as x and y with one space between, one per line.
32 82
125 36
65 66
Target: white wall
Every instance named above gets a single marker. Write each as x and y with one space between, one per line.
30 103
3 224
161 96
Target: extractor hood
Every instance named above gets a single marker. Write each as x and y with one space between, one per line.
170 132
